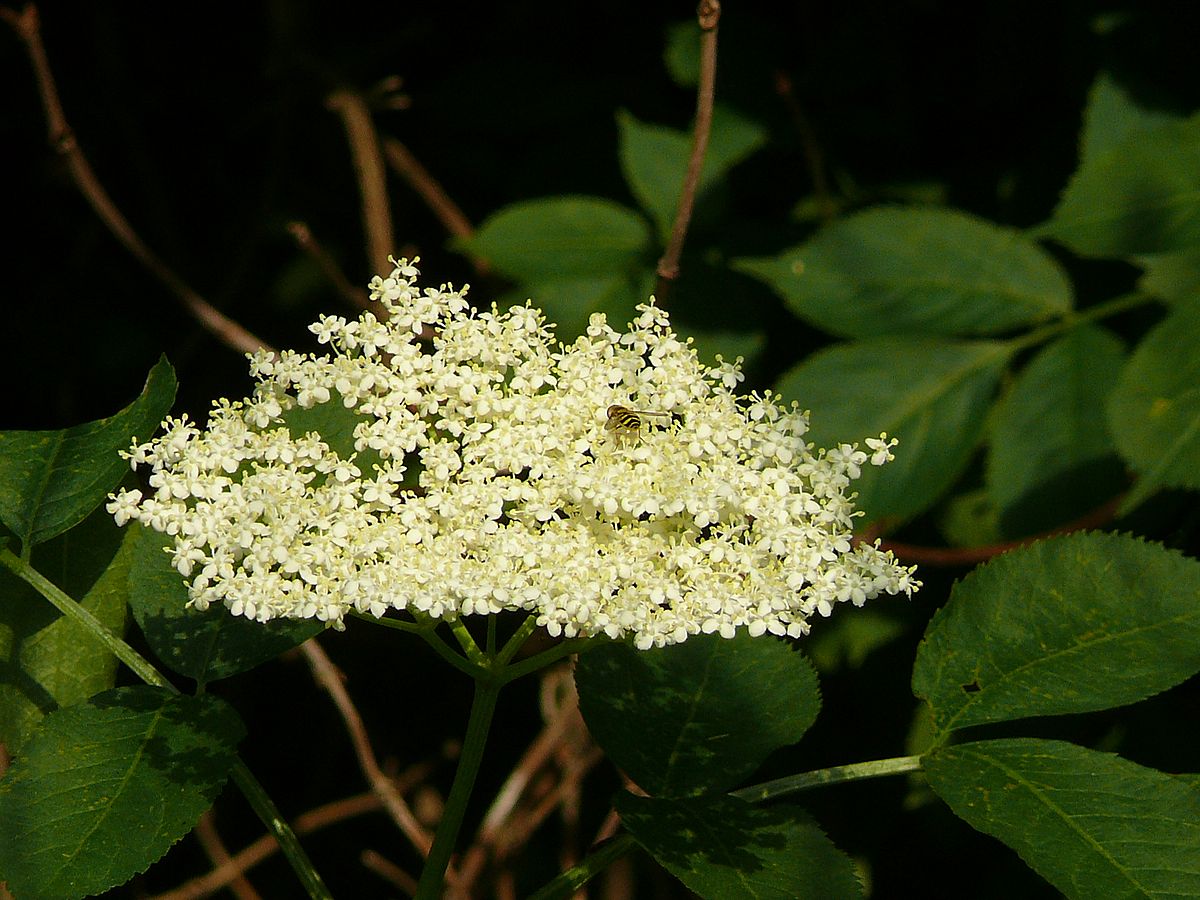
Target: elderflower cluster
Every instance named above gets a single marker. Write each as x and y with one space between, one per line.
479 472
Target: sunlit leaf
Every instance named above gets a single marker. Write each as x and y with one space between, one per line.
206 645
932 395
1112 115
51 480
1092 824
1066 625
557 237
1140 195
1050 457
51 660
894 271
655 159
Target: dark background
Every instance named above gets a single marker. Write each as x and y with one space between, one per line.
208 127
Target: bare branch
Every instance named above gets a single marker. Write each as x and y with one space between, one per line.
330 679
214 848
372 177
1102 515
60 136
812 147
709 14
318 254
401 159
265 846
389 871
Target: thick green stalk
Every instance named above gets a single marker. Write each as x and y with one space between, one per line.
487 691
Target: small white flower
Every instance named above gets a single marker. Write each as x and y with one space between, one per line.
124 506
483 479
881 449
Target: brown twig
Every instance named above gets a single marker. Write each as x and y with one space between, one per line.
327 675
60 136
608 828
566 788
970 556
329 268
401 159
813 156
709 14
266 845
372 177
214 848
575 759
388 871
306 823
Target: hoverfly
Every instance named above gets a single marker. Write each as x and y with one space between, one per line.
623 420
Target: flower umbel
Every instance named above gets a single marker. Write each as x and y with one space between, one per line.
477 475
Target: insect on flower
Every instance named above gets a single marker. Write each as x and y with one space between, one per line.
623 420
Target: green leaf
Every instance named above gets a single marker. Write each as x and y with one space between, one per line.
1092 824
1050 457
729 344
655 159
721 847
1112 116
51 480
49 660
682 53
1154 411
693 717
568 302
1141 195
1171 276
970 520
556 237
1067 625
849 640
105 788
206 645
930 394
335 424
891 271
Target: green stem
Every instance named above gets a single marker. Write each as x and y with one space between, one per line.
458 628
1075 319
876 768
517 641
72 610
429 635
546 657
289 844
570 881
491 637
487 690
387 622
257 797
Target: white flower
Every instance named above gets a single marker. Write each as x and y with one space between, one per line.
482 478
